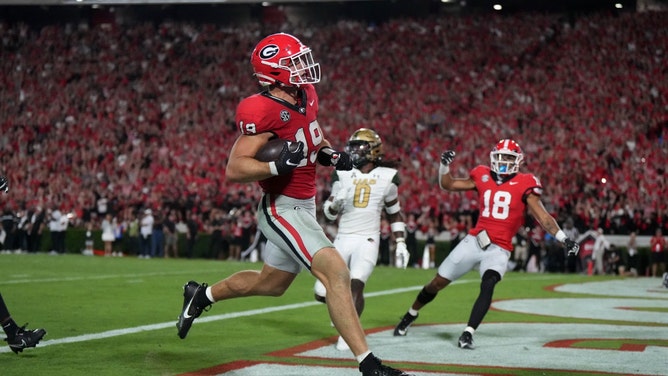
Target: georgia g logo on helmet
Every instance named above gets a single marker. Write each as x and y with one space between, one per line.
269 51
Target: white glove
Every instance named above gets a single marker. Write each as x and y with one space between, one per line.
401 254
340 199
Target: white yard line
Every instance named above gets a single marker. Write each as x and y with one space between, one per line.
172 324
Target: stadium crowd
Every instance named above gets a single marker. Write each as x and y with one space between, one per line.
104 118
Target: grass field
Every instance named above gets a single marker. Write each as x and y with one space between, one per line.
116 316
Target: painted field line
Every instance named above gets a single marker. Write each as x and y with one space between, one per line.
225 316
100 277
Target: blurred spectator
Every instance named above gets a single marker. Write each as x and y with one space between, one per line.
146 232
107 234
171 236
601 245
657 245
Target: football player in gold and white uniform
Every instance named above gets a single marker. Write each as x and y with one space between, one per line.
357 199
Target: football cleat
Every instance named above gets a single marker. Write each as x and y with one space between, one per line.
466 341
379 369
25 338
190 310
403 325
341 344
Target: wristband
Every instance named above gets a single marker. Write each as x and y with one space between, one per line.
443 169
560 236
273 169
398 227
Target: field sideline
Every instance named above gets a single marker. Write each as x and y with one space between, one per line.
116 316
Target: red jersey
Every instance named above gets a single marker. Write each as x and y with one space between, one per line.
657 244
262 113
502 205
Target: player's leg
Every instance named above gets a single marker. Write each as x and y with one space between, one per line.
361 261
18 338
275 277
460 261
492 266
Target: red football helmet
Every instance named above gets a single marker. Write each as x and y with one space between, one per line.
282 59
506 157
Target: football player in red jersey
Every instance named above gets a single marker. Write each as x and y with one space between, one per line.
504 194
287 109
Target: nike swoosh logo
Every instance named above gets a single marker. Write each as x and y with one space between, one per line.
311 103
513 182
291 163
185 311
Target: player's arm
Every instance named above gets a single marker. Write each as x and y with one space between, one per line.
397 225
333 205
327 156
445 179
242 167
538 211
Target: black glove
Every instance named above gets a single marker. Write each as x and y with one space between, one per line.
290 157
4 184
572 247
447 157
339 159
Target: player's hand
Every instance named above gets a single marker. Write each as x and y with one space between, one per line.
447 157
401 254
4 184
339 159
572 247
340 199
289 160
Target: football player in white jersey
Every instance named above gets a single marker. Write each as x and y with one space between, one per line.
357 199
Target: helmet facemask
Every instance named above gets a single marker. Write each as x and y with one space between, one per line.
359 152
303 69
364 146
505 162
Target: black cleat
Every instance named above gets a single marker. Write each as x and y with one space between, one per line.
403 325
466 341
190 310
25 338
374 367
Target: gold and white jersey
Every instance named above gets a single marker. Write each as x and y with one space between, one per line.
366 197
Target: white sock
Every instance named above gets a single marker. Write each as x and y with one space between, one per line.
412 312
470 330
209 295
362 356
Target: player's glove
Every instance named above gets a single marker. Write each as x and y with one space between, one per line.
339 159
4 184
401 254
340 199
289 158
447 157
572 247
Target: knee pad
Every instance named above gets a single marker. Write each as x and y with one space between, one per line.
425 297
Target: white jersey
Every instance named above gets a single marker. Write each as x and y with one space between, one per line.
366 197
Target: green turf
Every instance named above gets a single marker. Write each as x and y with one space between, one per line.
75 295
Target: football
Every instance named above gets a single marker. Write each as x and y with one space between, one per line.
271 150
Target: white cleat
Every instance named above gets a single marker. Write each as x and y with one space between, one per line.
341 345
